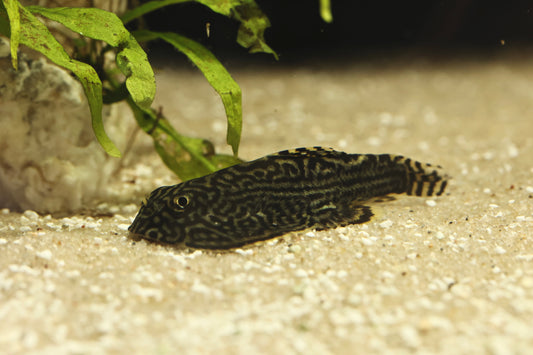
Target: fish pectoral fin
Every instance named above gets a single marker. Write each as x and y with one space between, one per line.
362 214
341 217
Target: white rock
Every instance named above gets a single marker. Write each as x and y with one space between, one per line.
431 203
123 226
31 215
525 257
386 224
300 273
499 250
244 251
55 162
45 254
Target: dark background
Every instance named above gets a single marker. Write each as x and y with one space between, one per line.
297 31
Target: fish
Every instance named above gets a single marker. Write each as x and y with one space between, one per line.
292 190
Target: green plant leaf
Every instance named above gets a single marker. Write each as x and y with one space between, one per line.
216 75
106 26
253 22
186 166
35 35
325 11
187 157
12 9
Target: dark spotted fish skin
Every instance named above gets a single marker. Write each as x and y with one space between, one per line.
288 191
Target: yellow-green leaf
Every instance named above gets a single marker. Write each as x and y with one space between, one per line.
106 26
12 9
216 75
325 11
187 157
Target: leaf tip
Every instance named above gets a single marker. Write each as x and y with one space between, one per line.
14 62
115 153
325 11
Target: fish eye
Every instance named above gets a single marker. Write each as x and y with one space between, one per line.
181 201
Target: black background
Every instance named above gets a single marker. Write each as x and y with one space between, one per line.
297 30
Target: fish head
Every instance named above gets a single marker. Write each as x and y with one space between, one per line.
165 215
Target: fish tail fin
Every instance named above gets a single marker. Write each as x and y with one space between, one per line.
423 179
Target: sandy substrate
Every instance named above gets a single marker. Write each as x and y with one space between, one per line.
448 275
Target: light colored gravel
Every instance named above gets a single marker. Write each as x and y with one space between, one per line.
451 275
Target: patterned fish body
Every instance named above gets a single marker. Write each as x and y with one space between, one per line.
288 191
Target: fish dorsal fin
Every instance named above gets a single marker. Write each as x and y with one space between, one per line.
308 152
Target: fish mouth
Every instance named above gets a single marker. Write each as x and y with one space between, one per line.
141 228
135 226
134 232
135 236
144 228
155 236
151 234
148 224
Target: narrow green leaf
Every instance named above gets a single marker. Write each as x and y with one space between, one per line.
216 75
187 157
232 101
106 26
180 160
253 22
12 9
325 11
34 34
190 157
